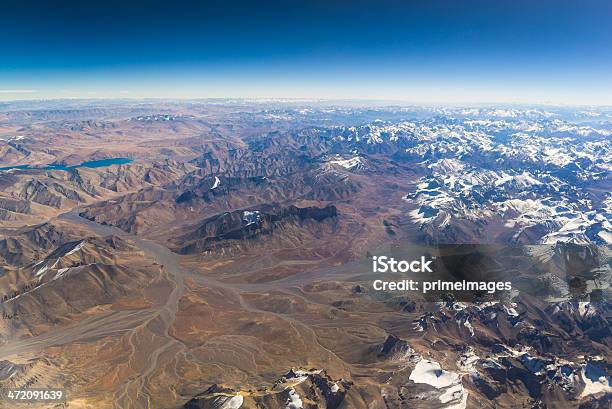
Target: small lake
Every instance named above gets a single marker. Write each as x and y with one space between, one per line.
90 164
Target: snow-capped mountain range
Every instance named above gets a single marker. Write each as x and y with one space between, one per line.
546 179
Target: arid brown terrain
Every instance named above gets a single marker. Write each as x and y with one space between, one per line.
222 265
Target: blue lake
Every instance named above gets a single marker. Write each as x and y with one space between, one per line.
91 164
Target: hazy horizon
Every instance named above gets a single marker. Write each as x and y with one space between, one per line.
306 100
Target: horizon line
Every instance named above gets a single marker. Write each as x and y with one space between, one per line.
406 102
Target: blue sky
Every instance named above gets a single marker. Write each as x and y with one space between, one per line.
427 51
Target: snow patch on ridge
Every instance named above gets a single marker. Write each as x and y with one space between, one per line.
216 184
227 402
250 217
431 373
351 164
294 401
595 380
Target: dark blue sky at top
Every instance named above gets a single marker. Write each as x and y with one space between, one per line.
471 50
